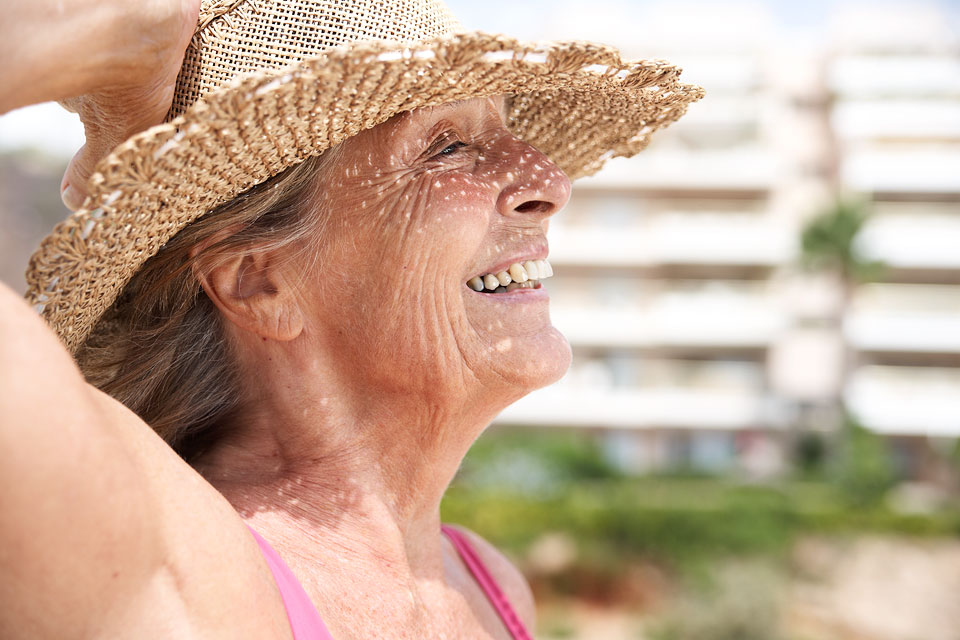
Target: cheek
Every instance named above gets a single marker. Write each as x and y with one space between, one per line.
395 251
416 218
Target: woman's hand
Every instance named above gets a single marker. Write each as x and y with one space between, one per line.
114 62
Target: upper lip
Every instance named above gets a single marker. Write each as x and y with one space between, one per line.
538 252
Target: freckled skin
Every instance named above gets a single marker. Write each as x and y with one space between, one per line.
408 228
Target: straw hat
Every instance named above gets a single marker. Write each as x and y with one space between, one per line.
268 83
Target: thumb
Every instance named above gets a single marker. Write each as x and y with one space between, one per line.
108 119
73 187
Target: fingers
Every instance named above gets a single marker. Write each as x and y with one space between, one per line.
101 139
73 186
137 100
108 119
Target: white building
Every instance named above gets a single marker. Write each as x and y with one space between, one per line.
678 285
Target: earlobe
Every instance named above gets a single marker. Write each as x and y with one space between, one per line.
253 295
280 317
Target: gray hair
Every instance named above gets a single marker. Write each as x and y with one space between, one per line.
161 349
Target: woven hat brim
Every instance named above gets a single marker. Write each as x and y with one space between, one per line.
578 103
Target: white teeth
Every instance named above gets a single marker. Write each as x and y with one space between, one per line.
531 268
518 273
529 284
528 273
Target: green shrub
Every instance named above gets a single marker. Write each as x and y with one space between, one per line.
810 454
682 523
865 469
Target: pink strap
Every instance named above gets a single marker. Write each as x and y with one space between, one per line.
305 622
487 583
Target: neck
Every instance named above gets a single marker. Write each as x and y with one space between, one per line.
363 474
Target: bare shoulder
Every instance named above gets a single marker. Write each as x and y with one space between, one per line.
510 579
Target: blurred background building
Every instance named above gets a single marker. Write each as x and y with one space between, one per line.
698 339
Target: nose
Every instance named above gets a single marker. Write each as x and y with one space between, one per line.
536 186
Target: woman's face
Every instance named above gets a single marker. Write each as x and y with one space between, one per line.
415 208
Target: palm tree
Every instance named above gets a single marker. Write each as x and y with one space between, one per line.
829 245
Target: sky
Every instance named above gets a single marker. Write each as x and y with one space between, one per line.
495 15
618 22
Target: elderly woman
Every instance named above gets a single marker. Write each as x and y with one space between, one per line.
317 283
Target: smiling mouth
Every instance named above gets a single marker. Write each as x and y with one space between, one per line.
520 275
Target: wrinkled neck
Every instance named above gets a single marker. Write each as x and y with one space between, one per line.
312 456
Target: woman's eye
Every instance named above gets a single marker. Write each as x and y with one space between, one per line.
447 147
450 148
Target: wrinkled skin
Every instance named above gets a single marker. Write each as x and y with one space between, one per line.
368 370
370 366
413 209
409 226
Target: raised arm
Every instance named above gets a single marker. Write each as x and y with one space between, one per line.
104 531
121 57
77 535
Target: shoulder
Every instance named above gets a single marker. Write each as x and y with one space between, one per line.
511 581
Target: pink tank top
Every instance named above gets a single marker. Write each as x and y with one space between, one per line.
490 587
306 624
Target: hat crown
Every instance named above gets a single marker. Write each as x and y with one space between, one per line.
240 38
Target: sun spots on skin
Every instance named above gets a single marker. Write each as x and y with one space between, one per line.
401 214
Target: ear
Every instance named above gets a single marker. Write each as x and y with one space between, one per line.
252 292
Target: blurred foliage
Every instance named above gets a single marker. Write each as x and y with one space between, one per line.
810 454
534 463
955 455
828 242
865 469
516 487
741 602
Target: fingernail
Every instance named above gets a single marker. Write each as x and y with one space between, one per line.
71 198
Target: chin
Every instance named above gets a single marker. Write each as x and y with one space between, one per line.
532 361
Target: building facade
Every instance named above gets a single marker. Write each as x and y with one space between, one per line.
698 340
